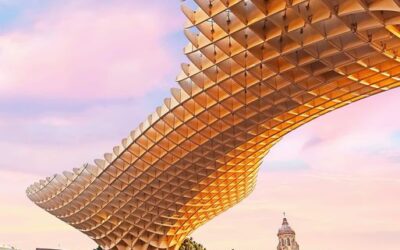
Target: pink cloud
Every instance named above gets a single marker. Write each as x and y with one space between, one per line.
75 51
89 50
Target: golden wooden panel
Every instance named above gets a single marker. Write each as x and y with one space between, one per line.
258 69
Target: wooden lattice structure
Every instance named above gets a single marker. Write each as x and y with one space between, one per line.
258 69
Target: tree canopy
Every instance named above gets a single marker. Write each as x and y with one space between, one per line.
190 244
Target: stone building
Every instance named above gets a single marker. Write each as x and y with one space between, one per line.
287 237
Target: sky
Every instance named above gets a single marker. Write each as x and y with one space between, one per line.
77 76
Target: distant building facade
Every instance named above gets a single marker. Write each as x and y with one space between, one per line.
287 237
46 249
7 247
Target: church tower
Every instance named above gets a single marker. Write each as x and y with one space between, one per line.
287 237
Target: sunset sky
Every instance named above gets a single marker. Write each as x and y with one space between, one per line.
76 76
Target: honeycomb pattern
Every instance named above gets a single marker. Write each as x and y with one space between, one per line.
257 70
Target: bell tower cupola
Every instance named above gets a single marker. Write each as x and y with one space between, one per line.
287 237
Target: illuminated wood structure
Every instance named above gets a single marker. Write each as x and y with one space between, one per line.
258 69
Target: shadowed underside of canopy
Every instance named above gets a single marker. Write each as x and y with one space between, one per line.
258 69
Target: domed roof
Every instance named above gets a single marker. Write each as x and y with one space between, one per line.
285 228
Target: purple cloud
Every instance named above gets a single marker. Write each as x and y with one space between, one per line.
89 50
